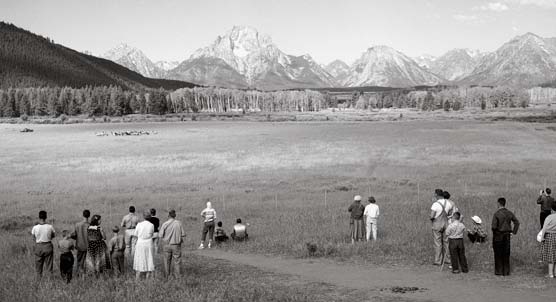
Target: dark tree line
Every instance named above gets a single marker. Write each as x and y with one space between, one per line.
114 101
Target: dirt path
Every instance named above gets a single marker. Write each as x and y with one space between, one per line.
438 286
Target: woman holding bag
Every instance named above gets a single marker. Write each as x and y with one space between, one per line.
548 244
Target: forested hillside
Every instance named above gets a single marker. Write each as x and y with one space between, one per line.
29 60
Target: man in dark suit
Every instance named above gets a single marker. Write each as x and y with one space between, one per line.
501 233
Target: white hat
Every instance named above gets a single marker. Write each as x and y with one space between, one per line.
357 198
477 219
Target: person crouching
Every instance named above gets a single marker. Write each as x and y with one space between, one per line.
455 231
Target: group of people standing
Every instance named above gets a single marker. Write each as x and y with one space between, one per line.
448 233
94 256
140 241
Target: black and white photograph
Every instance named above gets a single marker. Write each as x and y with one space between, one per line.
269 151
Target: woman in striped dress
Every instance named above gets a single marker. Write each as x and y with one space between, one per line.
548 245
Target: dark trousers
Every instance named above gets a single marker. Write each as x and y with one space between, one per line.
80 264
457 254
43 257
543 216
476 238
117 259
66 266
208 227
502 256
221 238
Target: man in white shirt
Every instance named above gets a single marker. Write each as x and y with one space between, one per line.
42 235
371 214
441 209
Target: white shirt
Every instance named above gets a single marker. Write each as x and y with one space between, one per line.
144 230
371 211
437 208
43 232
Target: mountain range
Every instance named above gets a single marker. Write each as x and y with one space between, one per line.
245 58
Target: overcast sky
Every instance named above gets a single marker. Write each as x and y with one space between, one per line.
326 29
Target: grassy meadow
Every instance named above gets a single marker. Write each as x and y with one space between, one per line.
292 182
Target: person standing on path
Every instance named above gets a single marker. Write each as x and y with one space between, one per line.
501 234
454 232
172 235
440 210
156 223
548 244
143 258
356 219
129 222
209 215
79 234
547 204
371 214
44 250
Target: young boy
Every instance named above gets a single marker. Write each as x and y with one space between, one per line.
476 234
220 234
455 231
66 245
116 248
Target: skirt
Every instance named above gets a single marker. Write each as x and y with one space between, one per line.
357 229
97 259
548 248
143 259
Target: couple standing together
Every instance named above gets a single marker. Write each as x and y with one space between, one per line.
358 212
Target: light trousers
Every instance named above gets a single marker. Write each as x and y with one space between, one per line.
371 229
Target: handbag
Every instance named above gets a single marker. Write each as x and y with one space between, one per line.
540 236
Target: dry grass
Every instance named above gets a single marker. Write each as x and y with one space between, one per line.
274 176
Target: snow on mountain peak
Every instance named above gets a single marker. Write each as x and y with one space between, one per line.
134 59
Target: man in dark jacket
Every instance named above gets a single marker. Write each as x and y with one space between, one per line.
547 204
501 233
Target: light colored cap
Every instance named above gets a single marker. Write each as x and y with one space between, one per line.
357 198
477 219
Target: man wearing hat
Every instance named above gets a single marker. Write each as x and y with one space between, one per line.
476 233
356 219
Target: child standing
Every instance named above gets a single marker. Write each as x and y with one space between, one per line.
66 246
116 248
476 234
219 233
454 232
209 215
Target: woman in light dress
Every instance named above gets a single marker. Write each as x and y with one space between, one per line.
143 260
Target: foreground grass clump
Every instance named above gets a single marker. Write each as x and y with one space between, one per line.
203 280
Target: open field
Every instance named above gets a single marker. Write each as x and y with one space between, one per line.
292 182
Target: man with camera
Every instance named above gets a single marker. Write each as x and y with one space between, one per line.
547 204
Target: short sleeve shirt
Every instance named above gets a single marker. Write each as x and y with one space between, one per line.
43 233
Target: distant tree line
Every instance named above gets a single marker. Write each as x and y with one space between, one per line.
114 101
455 98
